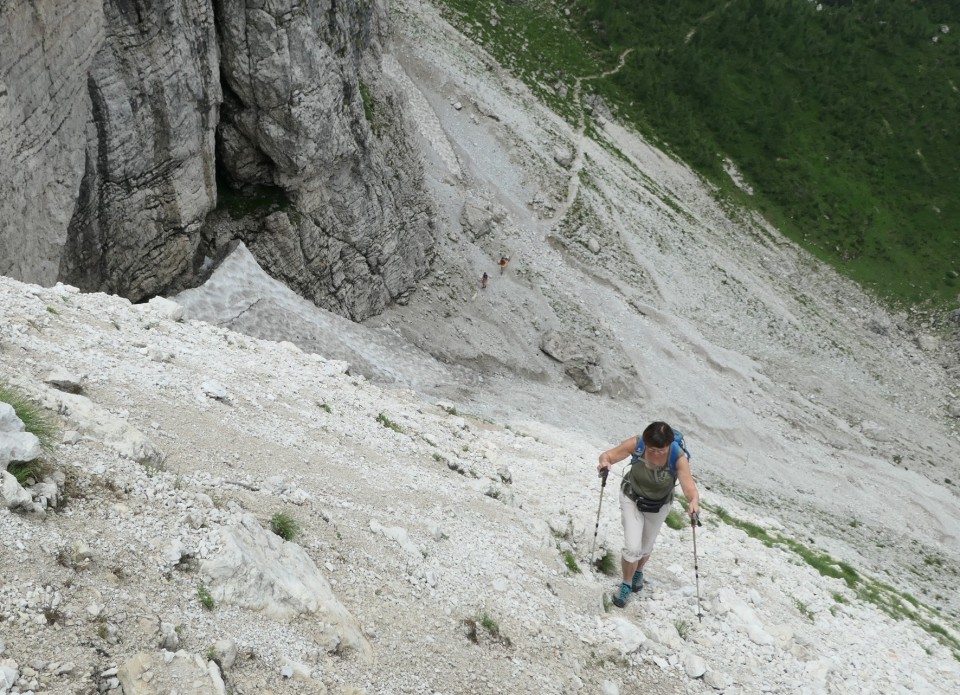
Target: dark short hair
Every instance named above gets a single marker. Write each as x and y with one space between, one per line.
658 435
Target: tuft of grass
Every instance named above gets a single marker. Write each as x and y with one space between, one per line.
26 472
206 600
491 626
284 526
325 406
452 411
53 310
388 423
36 420
571 562
683 628
675 520
803 609
607 564
898 605
607 603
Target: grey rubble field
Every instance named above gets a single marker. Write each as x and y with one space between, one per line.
419 525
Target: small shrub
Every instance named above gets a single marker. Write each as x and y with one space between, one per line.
451 411
388 423
683 628
284 526
206 600
488 624
570 561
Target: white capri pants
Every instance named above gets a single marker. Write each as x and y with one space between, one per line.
640 529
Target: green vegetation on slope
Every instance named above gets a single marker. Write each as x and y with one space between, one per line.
840 119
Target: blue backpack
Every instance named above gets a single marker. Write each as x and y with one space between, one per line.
678 448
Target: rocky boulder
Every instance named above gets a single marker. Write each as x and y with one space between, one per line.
260 571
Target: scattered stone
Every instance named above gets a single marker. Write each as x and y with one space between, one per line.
63 380
167 308
215 390
693 665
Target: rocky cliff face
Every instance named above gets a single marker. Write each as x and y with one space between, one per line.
46 50
306 113
118 116
149 174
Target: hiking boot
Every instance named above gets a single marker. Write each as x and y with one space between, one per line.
620 598
637 581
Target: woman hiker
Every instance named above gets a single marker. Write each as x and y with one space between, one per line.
646 495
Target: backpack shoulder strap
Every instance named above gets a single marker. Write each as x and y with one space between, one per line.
635 456
675 453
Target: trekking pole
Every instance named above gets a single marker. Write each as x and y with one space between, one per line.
694 522
603 484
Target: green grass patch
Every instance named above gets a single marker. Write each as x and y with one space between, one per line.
608 564
571 562
284 526
206 599
388 423
40 422
897 604
676 520
26 473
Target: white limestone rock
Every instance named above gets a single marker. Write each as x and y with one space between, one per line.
64 380
693 665
19 447
9 422
629 637
260 571
12 495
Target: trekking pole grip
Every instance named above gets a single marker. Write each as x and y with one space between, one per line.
695 519
603 477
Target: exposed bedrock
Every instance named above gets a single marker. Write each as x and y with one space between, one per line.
123 125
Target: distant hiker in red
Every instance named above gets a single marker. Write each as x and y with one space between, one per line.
483 281
503 263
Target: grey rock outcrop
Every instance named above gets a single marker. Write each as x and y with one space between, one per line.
48 48
114 126
149 175
259 571
306 113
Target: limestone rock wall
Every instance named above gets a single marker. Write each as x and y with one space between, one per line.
46 50
122 122
150 175
306 112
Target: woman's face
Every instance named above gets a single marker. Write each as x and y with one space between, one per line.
656 454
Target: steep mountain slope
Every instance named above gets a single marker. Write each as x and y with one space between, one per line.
438 552
435 518
802 393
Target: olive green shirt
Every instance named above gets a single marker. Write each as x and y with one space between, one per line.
653 484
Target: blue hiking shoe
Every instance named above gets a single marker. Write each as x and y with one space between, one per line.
637 581
620 598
